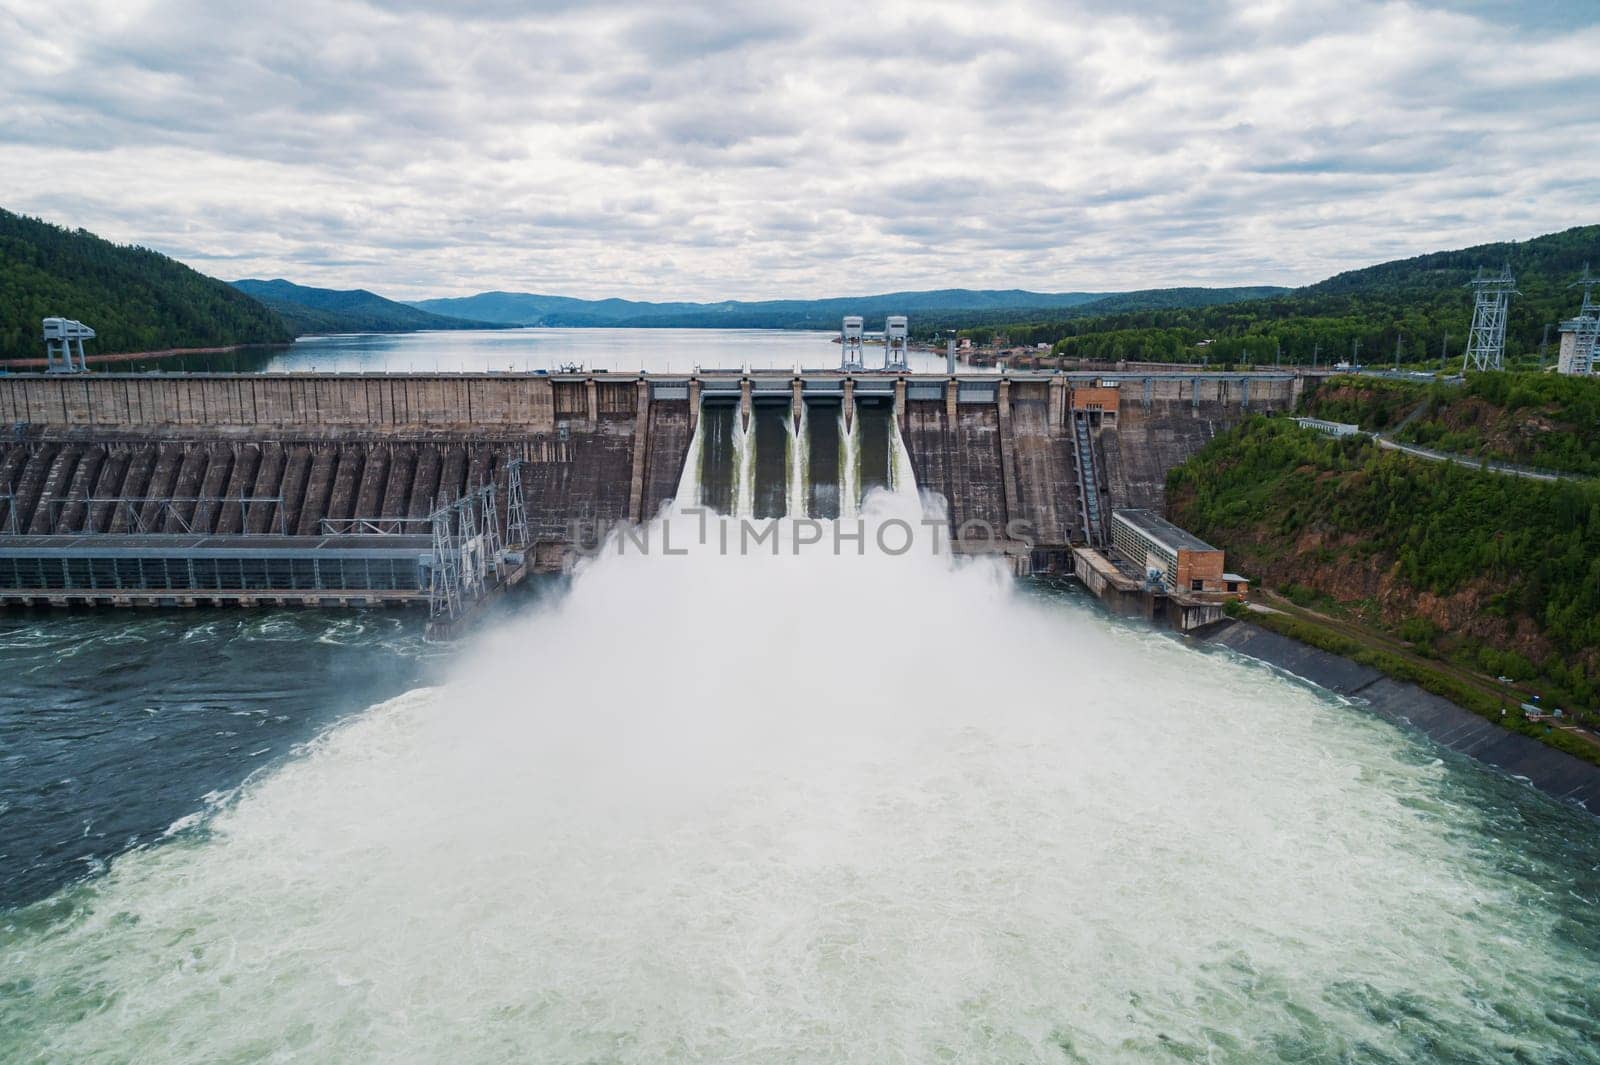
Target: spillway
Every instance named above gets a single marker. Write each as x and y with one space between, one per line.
823 468
799 487
875 449
849 465
719 457
768 446
689 481
795 460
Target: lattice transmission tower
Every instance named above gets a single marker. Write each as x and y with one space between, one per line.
1486 341
1585 328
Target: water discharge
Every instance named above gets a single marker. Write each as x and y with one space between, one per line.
800 503
718 455
744 450
849 464
768 447
674 817
690 481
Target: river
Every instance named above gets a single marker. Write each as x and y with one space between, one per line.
796 806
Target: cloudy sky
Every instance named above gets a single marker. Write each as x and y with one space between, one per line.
681 151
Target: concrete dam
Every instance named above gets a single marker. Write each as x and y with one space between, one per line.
364 489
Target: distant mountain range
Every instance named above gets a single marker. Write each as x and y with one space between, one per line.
310 310
525 308
326 310
140 300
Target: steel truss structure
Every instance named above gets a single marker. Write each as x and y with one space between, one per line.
191 514
1585 328
1486 340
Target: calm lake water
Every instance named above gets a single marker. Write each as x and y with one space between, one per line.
656 350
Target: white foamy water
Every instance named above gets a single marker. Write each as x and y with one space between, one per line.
817 809
849 466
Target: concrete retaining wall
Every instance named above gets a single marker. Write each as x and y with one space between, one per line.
322 401
1551 771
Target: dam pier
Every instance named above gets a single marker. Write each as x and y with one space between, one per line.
438 489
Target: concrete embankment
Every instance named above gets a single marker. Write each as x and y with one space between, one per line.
1552 771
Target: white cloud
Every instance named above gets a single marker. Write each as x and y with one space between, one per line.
822 148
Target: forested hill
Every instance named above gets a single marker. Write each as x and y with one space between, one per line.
940 308
1410 303
326 310
133 298
527 308
1497 573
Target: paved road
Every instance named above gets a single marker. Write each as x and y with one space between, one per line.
1467 460
1389 443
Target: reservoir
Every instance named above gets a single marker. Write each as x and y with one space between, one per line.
656 350
801 805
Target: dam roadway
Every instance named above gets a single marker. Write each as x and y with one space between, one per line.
327 489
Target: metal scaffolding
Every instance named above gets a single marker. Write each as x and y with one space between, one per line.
149 515
1486 341
376 526
516 509
1577 356
493 547
444 578
467 545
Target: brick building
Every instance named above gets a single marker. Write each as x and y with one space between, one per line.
1182 562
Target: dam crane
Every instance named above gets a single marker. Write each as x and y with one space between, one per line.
60 334
851 334
896 330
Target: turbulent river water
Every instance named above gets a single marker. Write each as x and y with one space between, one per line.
760 807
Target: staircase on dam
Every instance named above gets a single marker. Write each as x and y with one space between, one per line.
344 472
1091 508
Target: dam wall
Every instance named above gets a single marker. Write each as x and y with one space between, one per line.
95 485
1162 421
317 455
1004 449
955 451
311 401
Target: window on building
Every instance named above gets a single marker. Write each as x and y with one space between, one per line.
1197 585
1233 586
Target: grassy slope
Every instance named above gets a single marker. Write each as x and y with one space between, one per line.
135 299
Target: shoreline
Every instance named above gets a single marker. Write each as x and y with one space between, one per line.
1554 772
136 356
